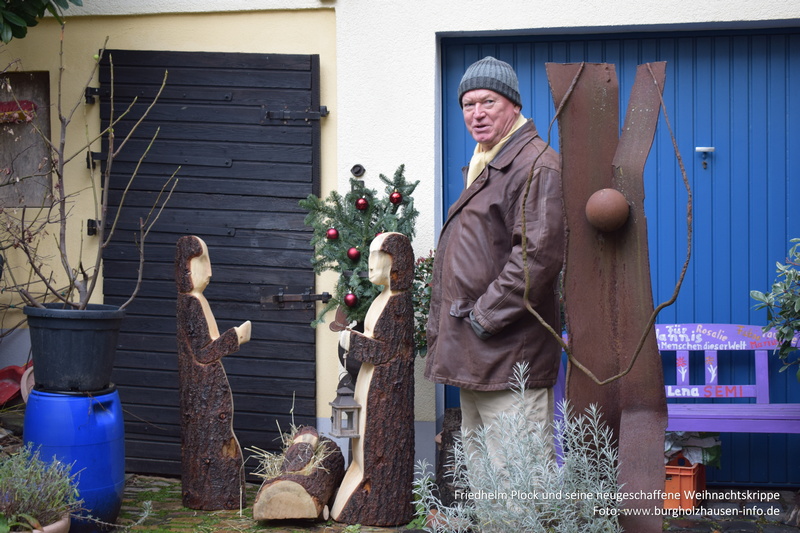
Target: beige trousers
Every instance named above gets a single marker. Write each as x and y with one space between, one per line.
481 408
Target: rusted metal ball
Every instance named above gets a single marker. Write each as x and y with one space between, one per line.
607 210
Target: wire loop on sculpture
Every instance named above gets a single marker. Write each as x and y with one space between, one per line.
571 357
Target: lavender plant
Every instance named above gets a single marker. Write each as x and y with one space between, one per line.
523 484
34 491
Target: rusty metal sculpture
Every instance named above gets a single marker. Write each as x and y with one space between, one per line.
614 358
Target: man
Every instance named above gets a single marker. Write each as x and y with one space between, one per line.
479 327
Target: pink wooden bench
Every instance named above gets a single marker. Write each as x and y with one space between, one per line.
705 340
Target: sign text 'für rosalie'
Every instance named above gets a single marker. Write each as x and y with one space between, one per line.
718 337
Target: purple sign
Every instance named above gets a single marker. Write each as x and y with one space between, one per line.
703 337
711 338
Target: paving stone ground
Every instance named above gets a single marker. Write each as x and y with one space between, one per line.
168 515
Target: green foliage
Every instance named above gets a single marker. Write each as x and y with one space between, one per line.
34 490
783 306
16 16
356 229
520 486
423 274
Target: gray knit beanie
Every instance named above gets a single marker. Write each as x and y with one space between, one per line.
493 74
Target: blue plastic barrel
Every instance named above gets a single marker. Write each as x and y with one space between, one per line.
86 429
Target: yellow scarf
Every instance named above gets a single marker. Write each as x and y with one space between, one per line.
480 158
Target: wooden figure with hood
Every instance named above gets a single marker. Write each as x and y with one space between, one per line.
212 473
376 489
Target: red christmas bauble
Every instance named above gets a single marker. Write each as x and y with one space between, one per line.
395 197
362 204
354 254
350 299
332 234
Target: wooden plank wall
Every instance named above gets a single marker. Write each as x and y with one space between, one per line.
241 176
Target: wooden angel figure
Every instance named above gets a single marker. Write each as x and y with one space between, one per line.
376 489
212 473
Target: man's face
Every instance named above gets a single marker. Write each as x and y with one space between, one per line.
489 116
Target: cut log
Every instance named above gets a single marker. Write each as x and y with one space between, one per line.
307 434
283 499
297 457
296 494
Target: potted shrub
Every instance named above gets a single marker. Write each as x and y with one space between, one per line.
53 278
782 303
35 494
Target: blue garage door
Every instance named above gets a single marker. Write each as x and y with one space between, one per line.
733 91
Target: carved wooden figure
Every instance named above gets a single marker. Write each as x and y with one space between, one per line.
308 480
376 489
212 474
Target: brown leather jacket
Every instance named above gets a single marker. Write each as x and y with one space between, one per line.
479 268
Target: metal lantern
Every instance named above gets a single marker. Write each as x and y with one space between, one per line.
345 411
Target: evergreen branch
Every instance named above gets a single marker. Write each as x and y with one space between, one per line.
356 228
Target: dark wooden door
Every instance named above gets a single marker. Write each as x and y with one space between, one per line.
244 130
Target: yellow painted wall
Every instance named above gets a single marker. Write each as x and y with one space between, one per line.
311 31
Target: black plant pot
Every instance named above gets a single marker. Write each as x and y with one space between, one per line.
73 350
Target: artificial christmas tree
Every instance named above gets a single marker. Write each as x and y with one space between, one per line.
344 227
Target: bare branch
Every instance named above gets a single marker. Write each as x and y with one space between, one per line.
128 186
26 234
144 230
144 115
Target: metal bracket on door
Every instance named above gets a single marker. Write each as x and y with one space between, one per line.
281 298
286 114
